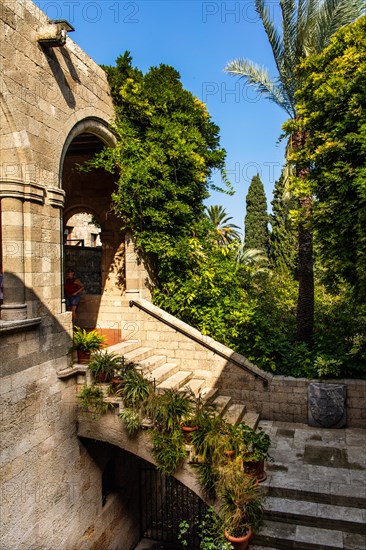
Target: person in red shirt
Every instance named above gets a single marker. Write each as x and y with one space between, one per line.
73 290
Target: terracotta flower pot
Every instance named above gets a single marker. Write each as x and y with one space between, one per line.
187 430
230 455
257 470
239 543
83 356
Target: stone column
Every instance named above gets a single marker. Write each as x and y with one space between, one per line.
14 307
132 269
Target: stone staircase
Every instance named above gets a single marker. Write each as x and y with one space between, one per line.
303 511
314 502
166 374
302 520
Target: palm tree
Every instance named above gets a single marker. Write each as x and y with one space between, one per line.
255 259
307 26
226 232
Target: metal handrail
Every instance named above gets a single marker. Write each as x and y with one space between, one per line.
199 341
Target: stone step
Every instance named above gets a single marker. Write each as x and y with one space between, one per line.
160 374
195 385
175 381
324 492
209 394
325 516
221 403
302 537
251 419
234 413
138 354
123 347
152 362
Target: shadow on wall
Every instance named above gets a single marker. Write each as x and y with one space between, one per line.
45 335
59 74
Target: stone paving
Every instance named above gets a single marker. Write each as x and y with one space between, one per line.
316 488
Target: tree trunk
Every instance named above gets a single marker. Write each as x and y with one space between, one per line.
305 301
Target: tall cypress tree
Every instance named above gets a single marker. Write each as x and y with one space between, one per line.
283 239
256 219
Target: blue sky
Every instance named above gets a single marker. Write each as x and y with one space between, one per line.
197 38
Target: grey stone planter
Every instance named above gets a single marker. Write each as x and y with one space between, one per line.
327 405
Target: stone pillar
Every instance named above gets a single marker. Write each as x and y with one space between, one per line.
14 307
132 270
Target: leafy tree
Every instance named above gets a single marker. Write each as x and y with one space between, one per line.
256 217
283 240
307 26
332 109
167 147
225 231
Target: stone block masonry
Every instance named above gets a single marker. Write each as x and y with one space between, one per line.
51 492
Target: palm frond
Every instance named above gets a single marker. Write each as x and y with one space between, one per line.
334 14
289 31
226 232
275 39
259 78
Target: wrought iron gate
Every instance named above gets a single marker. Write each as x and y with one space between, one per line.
165 503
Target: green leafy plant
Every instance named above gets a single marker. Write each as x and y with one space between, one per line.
213 438
208 477
91 398
87 340
210 441
199 409
168 449
326 367
211 532
131 421
256 443
135 390
168 408
103 365
183 533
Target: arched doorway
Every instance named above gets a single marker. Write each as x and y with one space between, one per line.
89 194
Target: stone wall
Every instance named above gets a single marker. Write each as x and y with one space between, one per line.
46 93
51 483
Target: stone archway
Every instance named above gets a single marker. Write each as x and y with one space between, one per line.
91 192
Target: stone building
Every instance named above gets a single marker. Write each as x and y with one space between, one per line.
55 113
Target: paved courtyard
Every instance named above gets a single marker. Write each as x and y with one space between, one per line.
316 487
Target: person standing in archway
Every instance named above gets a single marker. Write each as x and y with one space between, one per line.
73 290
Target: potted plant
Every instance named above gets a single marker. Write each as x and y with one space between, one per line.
210 442
103 365
241 506
124 366
192 421
85 342
131 421
257 444
168 408
135 391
